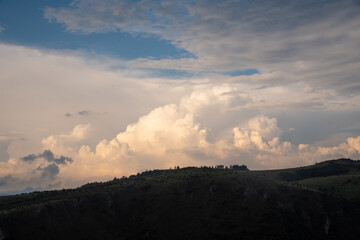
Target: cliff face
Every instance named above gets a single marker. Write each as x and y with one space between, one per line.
181 204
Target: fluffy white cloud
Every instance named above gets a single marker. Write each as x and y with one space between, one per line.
261 133
176 135
18 175
40 171
165 137
170 135
66 143
350 148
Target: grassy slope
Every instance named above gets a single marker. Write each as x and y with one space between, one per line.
335 177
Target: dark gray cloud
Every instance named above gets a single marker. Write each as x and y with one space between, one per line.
4 156
49 171
48 156
68 115
62 160
84 113
5 180
30 158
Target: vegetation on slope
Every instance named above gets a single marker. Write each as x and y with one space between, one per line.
334 177
189 203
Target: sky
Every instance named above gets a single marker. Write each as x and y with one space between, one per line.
91 89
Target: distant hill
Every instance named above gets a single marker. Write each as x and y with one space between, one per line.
321 201
335 177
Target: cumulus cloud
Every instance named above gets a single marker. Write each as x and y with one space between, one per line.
19 175
270 152
42 170
178 134
161 138
34 171
349 148
66 142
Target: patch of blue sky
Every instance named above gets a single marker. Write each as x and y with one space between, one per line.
169 73
352 130
246 72
180 74
28 27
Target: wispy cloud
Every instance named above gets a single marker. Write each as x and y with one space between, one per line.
132 16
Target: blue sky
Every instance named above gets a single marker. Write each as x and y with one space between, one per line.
122 86
29 27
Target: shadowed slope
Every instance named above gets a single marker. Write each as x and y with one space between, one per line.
189 203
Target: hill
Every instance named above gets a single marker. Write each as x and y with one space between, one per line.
315 201
335 177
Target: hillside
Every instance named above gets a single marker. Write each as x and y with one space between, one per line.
335 177
319 201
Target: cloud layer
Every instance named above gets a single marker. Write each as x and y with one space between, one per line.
298 41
